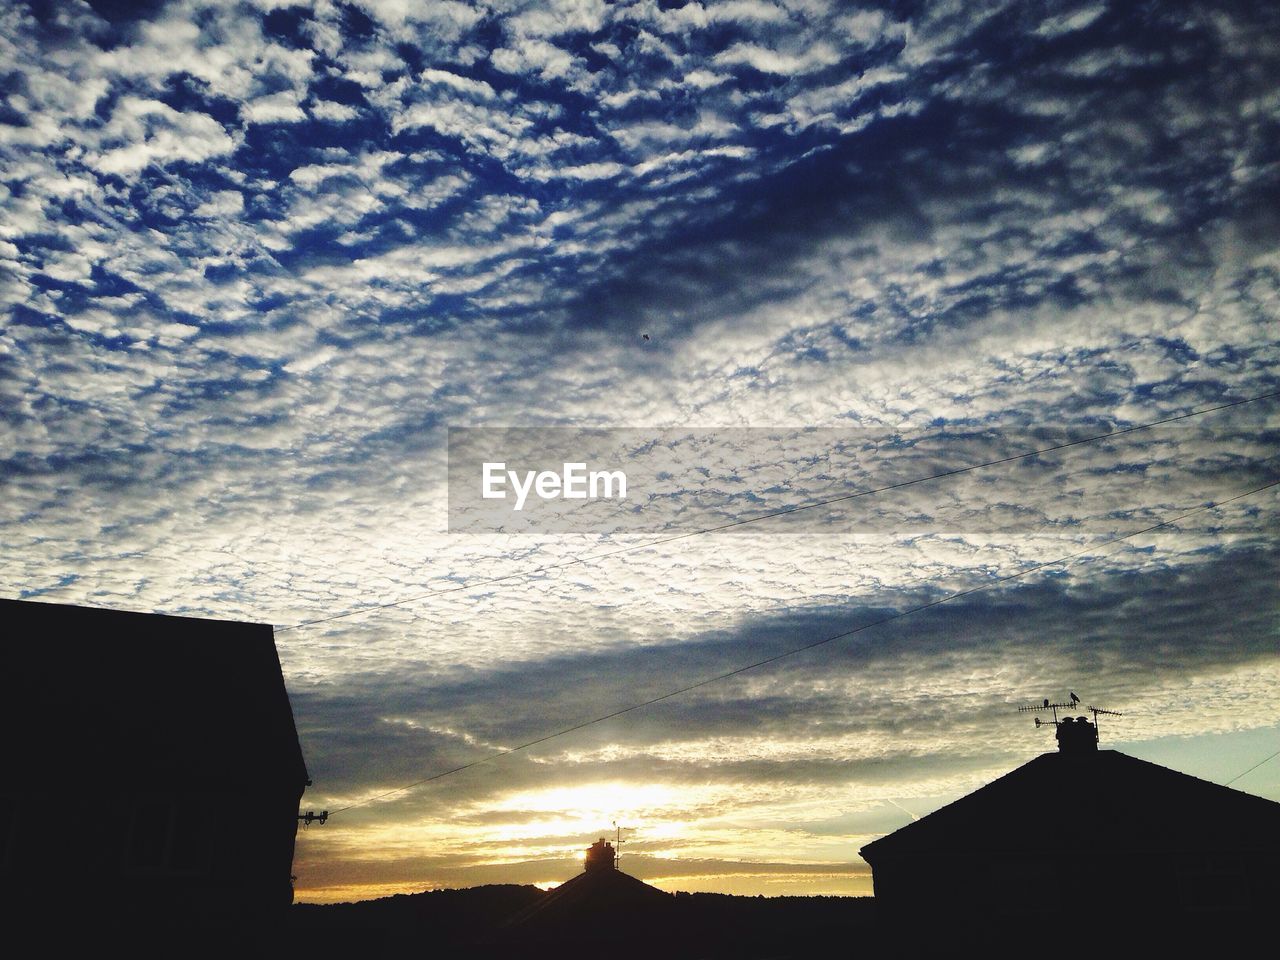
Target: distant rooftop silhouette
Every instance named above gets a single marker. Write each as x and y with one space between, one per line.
590 904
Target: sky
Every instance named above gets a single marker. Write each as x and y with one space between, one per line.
259 260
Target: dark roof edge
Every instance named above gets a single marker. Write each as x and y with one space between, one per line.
959 799
130 613
873 846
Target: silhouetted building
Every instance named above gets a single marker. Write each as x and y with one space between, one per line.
1082 839
151 776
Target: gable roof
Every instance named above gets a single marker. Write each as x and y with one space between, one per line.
1102 800
144 699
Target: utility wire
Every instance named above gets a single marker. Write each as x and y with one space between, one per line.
520 574
1251 769
808 646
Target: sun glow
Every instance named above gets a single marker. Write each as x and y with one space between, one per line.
596 802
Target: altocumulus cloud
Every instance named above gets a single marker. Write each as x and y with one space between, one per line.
257 258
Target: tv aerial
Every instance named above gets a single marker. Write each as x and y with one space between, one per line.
617 845
1098 711
1046 707
1074 703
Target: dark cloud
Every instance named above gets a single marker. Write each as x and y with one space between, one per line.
1120 636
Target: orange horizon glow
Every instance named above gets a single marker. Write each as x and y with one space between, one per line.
744 885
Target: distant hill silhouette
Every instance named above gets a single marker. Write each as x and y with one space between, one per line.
417 924
500 921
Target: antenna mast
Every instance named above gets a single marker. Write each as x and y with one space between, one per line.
617 845
1096 711
1055 707
1072 704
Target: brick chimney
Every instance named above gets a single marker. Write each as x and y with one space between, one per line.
1076 735
600 856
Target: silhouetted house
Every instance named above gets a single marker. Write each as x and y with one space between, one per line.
1083 839
602 905
151 774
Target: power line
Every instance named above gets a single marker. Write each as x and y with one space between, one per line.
808 646
519 574
1251 769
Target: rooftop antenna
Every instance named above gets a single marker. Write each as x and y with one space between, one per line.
1098 711
1055 707
1073 704
617 845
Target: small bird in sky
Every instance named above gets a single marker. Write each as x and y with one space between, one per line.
646 337
1046 701
1074 698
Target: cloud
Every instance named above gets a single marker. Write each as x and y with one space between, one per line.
279 107
773 61
223 203
1070 21
155 133
547 60
327 110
